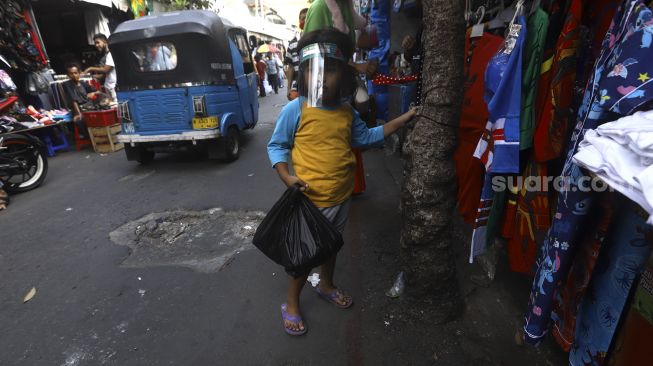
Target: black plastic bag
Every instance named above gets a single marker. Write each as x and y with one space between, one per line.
296 235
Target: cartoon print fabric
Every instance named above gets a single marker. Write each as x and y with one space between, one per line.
570 295
629 37
623 257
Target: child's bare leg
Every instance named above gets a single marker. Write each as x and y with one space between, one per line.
295 286
326 280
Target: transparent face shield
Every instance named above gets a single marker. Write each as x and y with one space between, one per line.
319 68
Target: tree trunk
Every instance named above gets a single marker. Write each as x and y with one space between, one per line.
428 196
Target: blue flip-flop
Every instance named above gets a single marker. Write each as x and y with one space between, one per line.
291 318
333 296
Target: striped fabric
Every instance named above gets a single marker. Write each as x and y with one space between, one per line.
292 56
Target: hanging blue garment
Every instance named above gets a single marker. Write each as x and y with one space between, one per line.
498 148
622 258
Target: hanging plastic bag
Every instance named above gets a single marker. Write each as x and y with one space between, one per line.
267 86
296 235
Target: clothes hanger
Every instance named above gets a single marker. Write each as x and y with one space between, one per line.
468 12
507 15
497 21
534 6
480 14
496 10
519 8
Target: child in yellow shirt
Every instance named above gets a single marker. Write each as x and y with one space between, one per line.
318 141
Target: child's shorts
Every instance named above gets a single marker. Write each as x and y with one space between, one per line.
337 214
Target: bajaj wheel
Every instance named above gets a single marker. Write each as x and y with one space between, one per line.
145 156
231 144
139 154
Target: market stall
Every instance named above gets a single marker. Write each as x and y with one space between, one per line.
33 95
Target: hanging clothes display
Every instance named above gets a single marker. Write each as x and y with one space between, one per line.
504 206
619 84
498 148
474 116
532 215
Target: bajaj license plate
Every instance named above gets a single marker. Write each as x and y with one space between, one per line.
205 122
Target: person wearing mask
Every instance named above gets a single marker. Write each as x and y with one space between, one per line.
341 16
314 134
107 66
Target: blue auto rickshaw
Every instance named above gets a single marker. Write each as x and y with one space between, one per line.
183 79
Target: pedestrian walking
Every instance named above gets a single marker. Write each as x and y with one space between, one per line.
273 72
292 59
315 133
260 69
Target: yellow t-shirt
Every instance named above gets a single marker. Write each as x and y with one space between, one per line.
319 142
322 157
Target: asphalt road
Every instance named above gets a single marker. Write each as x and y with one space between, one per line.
92 309
199 294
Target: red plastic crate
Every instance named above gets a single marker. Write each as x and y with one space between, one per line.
108 117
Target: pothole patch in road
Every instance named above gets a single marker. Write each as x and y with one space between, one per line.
204 241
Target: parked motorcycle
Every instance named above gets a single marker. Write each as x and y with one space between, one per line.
23 162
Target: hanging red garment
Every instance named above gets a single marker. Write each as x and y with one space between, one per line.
359 182
598 17
469 170
531 221
555 104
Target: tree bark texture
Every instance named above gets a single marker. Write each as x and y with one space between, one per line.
428 196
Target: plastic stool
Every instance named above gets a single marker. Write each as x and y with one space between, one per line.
79 142
47 137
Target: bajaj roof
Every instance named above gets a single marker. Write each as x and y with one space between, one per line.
166 24
199 37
